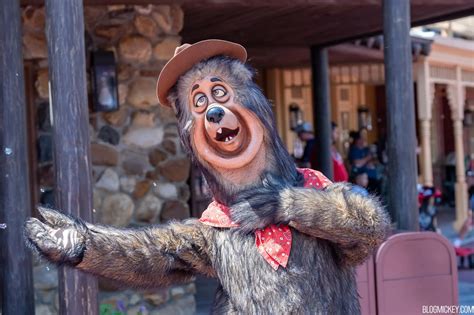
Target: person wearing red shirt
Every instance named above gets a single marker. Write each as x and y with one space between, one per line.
339 169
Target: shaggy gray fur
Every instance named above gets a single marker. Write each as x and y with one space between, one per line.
338 230
317 279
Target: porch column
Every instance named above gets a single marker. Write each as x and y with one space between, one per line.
15 206
67 74
456 96
401 138
426 161
321 158
425 94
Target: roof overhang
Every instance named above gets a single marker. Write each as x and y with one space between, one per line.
288 29
278 34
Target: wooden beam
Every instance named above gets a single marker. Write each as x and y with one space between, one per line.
401 140
247 3
67 74
260 3
321 157
15 207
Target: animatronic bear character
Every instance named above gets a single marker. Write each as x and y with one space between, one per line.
279 239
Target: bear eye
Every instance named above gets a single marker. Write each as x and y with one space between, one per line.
219 91
200 100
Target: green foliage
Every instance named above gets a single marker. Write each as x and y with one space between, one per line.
108 309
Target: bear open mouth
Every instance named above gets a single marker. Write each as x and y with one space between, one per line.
226 134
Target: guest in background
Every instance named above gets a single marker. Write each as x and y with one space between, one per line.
363 158
361 181
359 153
305 134
340 172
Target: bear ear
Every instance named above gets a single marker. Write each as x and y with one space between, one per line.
172 100
174 105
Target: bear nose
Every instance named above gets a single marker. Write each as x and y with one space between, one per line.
215 114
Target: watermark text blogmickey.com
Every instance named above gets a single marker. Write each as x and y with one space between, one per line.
447 309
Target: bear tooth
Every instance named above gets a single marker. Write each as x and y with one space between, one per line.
219 130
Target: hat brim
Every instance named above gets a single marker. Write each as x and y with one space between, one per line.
187 58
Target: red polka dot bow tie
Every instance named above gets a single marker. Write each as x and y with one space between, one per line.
274 241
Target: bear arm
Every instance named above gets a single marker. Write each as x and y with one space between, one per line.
355 224
145 258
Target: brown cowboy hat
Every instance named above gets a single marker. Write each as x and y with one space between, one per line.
186 56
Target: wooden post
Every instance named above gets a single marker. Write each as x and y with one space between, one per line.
67 74
15 207
401 140
321 158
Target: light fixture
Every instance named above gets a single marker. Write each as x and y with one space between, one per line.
104 82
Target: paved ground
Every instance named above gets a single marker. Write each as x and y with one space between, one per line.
466 287
206 287
465 276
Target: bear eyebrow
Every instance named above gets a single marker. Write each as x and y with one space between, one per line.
215 80
195 87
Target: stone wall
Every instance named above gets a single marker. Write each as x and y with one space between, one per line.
139 168
176 300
